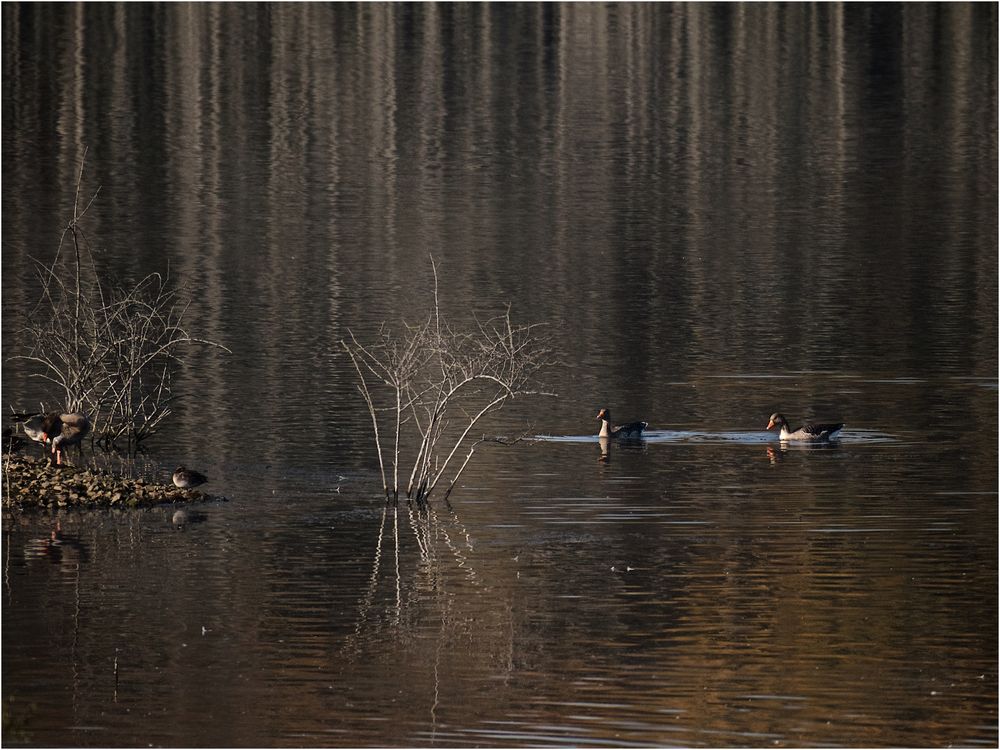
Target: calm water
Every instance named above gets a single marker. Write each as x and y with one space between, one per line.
720 211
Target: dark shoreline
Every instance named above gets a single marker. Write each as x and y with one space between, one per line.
36 484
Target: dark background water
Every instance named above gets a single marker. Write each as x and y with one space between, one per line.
719 211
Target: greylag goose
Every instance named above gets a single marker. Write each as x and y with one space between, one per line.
39 427
630 431
186 479
74 427
808 431
62 430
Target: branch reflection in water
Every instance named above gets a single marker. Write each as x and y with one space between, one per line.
419 589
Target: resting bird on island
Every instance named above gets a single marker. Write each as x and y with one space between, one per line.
808 431
74 427
630 431
187 479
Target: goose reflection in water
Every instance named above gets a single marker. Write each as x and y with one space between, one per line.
627 444
65 550
777 454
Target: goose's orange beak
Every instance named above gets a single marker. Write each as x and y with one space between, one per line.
770 424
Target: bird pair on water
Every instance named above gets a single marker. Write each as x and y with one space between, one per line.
808 431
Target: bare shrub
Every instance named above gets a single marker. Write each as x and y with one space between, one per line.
440 383
108 350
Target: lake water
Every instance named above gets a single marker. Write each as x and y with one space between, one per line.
719 211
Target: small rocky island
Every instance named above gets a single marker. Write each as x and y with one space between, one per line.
37 483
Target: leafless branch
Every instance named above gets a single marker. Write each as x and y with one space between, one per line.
110 350
440 383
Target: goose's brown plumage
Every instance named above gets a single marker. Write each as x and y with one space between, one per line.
73 428
808 431
630 430
61 430
40 427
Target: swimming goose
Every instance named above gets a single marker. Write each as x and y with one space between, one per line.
74 427
808 431
630 431
188 478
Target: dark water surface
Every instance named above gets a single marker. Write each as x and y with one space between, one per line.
720 210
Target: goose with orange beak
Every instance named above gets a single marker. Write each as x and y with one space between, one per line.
629 431
808 431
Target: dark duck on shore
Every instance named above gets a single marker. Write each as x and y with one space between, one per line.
808 431
629 431
187 479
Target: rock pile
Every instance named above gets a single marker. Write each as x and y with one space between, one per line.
30 483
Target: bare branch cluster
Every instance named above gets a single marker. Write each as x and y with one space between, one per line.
439 383
108 350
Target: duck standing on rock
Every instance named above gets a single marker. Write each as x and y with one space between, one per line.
188 479
630 431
